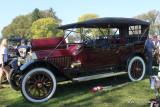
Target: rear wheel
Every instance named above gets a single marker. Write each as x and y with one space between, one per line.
38 85
136 68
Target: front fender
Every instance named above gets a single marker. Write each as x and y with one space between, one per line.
39 63
25 65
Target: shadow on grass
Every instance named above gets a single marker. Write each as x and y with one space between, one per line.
72 90
86 89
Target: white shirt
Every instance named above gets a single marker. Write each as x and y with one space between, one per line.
3 50
158 46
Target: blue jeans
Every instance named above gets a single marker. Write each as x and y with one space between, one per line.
149 63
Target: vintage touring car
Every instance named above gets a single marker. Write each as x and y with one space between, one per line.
88 50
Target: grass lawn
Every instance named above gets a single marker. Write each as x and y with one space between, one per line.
69 94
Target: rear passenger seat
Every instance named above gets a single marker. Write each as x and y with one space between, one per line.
134 39
127 40
118 41
131 39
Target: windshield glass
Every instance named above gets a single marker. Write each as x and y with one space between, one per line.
75 36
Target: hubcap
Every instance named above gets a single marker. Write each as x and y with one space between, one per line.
39 85
138 69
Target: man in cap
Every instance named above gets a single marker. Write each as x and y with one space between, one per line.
149 46
23 49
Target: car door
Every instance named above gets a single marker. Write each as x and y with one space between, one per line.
109 56
91 57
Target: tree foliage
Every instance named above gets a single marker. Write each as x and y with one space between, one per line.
152 17
36 15
94 32
45 28
87 17
50 13
90 32
20 26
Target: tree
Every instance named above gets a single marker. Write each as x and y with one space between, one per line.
88 31
157 28
152 17
36 15
87 17
20 26
94 32
50 14
45 28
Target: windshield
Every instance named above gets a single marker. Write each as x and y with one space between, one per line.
73 37
79 35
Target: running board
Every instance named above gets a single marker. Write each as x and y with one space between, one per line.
98 76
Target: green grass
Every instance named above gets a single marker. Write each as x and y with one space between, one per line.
69 94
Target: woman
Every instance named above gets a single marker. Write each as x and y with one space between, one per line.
3 59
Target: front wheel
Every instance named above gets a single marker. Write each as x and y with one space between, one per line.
38 85
136 68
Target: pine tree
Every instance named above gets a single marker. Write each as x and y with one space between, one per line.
36 15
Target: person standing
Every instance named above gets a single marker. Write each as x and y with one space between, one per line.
23 49
3 60
149 46
158 52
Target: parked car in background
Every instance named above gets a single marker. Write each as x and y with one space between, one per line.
14 62
13 45
104 47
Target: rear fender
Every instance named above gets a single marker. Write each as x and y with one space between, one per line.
134 53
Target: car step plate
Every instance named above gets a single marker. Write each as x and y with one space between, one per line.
98 76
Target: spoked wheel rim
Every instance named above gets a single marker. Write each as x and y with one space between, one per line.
136 69
39 85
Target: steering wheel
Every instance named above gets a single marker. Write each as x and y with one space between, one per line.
114 37
88 41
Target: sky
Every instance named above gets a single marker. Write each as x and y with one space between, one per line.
70 10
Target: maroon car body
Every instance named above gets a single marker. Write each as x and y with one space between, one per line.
118 50
89 57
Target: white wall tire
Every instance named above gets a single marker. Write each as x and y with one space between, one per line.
38 85
136 68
